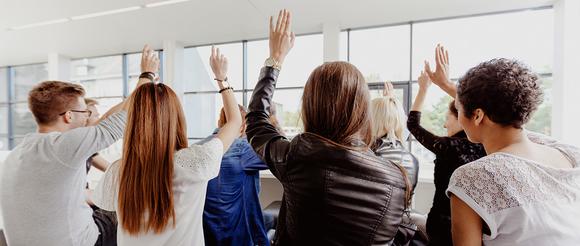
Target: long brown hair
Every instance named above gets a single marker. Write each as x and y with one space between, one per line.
335 104
155 131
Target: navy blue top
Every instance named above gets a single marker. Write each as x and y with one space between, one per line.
232 213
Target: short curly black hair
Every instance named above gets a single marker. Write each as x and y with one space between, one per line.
506 90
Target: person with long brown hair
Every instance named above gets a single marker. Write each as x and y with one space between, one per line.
42 182
336 190
158 187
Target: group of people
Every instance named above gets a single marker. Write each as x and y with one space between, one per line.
347 179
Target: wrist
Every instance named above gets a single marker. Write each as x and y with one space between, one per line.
148 75
273 63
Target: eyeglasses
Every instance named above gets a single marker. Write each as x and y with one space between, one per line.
78 111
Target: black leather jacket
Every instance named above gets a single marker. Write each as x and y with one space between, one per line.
332 195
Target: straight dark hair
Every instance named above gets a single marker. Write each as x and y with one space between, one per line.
336 105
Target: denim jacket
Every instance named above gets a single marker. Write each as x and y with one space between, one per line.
232 213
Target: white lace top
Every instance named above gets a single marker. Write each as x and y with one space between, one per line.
521 201
194 167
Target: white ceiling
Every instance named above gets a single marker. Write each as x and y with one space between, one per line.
199 22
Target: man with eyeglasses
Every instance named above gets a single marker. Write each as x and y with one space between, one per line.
42 181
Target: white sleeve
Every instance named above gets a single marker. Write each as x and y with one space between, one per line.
469 185
107 191
201 160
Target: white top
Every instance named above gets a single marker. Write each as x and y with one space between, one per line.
523 202
42 184
194 167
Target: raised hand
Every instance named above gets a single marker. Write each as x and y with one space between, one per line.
388 90
219 64
149 60
424 81
281 36
441 75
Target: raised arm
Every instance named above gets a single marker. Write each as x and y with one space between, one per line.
441 75
268 143
231 129
149 69
429 140
424 83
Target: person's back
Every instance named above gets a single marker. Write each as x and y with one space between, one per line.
158 187
336 196
42 180
193 168
336 190
509 191
527 190
232 213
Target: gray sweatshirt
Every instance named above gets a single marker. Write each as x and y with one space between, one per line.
42 185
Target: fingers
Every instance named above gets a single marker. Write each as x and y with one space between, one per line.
278 21
288 21
272 24
283 21
292 38
427 69
446 57
439 56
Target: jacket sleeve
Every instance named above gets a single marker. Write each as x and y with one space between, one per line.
432 142
250 161
270 145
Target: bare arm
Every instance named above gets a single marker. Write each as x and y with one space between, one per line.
231 129
466 225
424 83
149 63
99 162
441 75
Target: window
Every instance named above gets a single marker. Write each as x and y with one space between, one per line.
197 71
102 78
134 69
3 85
304 57
343 46
526 36
288 103
541 120
202 112
381 53
25 77
22 120
4 109
3 120
388 53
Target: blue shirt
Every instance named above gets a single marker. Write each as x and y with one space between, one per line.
232 213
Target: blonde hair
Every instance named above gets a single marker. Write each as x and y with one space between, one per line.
388 117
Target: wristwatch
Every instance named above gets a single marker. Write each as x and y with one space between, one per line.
270 62
224 84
